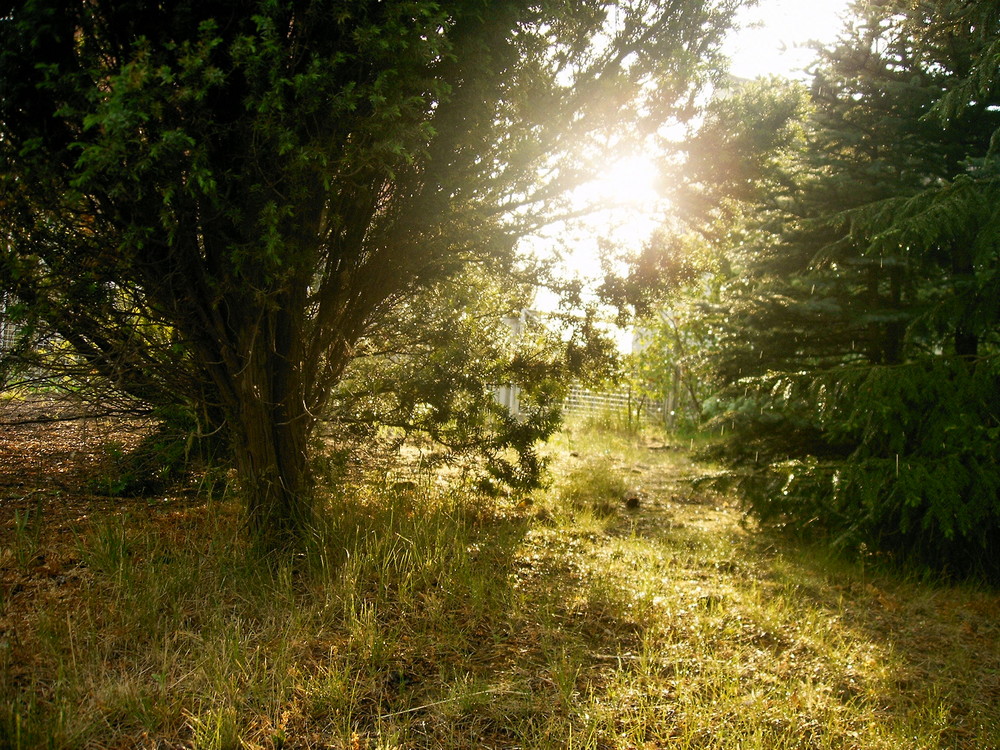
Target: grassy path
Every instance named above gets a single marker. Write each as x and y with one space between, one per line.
616 610
743 642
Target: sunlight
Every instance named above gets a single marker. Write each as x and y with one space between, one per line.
631 182
775 34
622 205
625 206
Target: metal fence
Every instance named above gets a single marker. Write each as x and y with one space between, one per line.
623 404
8 329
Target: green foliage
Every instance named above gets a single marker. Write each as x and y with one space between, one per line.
745 148
898 458
215 208
670 369
173 449
924 475
435 374
857 336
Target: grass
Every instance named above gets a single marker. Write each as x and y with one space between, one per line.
442 619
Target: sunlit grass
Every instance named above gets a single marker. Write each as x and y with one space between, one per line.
425 619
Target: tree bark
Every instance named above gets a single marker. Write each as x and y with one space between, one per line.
965 338
270 453
270 428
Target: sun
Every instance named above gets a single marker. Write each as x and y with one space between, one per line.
616 212
629 182
613 214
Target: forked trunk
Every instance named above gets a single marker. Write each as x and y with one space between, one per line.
274 476
271 426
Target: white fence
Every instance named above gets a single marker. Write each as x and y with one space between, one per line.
8 329
582 402
509 397
624 404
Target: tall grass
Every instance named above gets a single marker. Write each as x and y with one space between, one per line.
443 619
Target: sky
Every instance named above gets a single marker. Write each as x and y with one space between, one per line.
771 41
772 34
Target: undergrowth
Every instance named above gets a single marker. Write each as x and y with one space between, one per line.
617 609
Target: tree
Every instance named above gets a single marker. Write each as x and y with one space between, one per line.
660 293
432 376
213 203
860 331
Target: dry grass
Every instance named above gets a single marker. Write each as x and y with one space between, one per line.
445 620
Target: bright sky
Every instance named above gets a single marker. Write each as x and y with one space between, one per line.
771 42
774 31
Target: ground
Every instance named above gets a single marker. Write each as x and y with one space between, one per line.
56 456
56 464
617 609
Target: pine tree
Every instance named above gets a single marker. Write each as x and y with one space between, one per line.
860 335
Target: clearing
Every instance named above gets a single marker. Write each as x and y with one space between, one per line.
618 609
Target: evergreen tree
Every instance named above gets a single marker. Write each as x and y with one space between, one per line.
860 335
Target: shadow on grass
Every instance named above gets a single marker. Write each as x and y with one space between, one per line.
421 619
921 654
415 619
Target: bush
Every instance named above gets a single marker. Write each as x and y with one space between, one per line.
904 460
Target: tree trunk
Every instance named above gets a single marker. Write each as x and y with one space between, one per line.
274 476
270 428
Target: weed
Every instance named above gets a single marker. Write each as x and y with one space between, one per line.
28 532
107 547
597 485
216 729
432 618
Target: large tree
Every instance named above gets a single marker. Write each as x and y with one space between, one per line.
860 330
212 202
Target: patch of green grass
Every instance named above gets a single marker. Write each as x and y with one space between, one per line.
445 619
27 532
